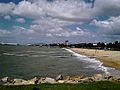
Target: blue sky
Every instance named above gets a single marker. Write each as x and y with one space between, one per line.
48 21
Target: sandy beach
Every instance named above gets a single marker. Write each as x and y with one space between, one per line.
109 58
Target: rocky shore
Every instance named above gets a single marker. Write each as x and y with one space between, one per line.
58 79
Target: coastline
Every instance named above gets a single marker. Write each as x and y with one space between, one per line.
109 58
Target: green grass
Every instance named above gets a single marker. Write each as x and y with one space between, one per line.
83 86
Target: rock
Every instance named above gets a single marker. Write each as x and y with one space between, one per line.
59 77
33 81
118 79
41 80
5 79
61 81
11 81
110 78
71 81
87 79
77 78
67 78
50 80
17 80
20 82
99 77
8 84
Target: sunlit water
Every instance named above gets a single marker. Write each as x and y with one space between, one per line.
31 61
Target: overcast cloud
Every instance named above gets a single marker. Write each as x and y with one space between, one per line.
61 19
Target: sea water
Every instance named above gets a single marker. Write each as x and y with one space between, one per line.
31 61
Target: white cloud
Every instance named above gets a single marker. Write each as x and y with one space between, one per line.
4 32
28 9
64 10
107 7
51 19
17 30
6 8
20 20
110 26
7 17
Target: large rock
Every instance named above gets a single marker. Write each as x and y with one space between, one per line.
59 77
87 79
4 79
111 78
99 77
33 81
61 81
71 81
41 80
50 80
20 82
77 78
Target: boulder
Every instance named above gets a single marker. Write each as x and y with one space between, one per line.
8 84
50 80
99 77
110 78
67 78
77 78
71 81
61 81
41 80
118 79
24 82
59 77
33 81
20 82
4 79
87 79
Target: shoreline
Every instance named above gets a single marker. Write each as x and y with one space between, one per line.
109 58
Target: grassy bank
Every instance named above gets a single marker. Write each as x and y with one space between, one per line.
82 86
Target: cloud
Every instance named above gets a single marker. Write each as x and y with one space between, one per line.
110 26
107 7
60 9
4 32
6 8
20 20
17 30
28 9
7 17
53 18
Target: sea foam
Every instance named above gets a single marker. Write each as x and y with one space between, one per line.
93 63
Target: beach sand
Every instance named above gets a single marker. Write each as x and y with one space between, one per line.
109 58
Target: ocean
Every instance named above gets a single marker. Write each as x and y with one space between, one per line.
30 61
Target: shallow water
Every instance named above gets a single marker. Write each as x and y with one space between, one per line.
31 61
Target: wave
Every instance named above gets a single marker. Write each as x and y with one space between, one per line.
92 62
8 54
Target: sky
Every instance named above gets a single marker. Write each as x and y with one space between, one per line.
54 21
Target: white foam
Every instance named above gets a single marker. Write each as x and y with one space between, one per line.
93 63
8 54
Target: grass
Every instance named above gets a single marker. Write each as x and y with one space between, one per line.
82 86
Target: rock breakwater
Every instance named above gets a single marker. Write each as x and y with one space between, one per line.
58 79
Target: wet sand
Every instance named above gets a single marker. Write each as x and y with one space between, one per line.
109 58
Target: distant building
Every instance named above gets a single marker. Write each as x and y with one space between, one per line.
94 44
66 43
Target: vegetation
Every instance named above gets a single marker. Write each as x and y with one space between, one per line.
100 45
82 86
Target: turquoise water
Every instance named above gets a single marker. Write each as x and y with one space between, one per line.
31 61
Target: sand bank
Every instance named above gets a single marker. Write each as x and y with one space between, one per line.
109 58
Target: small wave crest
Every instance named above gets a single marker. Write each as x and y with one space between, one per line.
93 63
